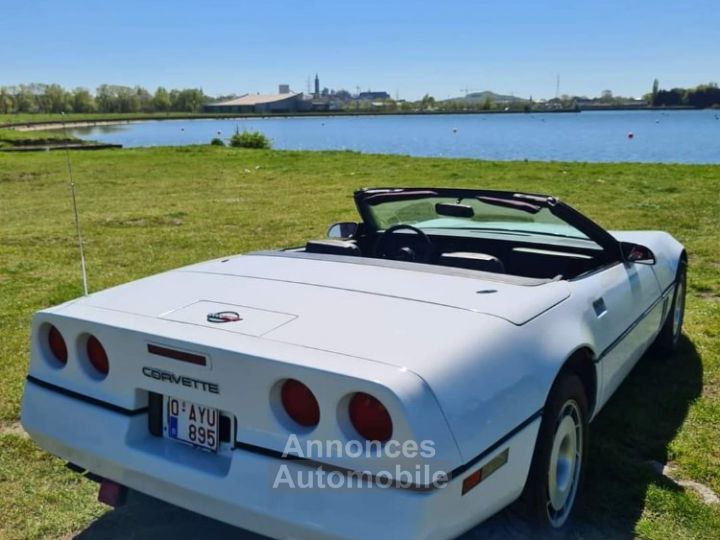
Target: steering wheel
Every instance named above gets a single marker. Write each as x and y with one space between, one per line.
388 245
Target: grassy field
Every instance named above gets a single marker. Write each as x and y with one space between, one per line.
148 210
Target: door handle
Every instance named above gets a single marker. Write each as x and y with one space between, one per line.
599 307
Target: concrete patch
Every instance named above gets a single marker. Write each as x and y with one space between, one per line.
707 495
13 429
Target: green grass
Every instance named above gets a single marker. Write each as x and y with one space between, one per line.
12 137
148 210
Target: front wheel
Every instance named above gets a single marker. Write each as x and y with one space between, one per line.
560 452
668 339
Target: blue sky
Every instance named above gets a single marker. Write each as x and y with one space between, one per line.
409 47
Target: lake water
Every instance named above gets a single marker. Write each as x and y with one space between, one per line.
658 136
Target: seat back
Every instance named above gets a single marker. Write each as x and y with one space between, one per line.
333 247
473 261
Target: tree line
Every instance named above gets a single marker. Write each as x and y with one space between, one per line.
702 96
108 98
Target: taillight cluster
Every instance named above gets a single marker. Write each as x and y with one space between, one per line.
368 416
57 345
300 403
96 355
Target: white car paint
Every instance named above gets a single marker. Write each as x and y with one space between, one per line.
475 384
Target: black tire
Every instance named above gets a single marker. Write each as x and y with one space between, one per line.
567 403
668 339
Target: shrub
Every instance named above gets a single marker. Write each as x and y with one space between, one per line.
217 142
250 139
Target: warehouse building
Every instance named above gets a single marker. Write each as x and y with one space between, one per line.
284 101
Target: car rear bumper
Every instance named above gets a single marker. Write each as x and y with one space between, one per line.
237 486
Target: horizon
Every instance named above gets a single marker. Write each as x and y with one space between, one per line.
516 50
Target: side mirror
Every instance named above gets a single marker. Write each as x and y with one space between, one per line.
635 253
344 229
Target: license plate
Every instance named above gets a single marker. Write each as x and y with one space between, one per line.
191 423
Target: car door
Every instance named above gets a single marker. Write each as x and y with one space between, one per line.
625 317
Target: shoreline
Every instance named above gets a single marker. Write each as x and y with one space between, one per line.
133 118
60 146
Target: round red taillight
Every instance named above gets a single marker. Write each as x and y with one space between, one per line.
97 356
57 345
300 403
370 418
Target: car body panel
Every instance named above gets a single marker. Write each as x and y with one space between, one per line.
237 487
465 359
290 285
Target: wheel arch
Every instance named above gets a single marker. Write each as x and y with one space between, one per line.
581 363
684 257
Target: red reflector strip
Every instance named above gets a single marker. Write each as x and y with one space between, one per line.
471 481
486 470
183 356
112 493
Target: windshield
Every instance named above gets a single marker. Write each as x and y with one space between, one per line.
471 213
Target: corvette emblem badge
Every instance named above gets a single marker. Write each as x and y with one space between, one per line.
224 317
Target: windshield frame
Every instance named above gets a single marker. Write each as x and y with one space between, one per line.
365 198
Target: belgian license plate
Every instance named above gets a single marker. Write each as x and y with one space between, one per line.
192 423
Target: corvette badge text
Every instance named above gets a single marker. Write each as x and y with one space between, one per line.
182 380
421 476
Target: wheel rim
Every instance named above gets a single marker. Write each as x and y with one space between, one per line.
565 464
679 309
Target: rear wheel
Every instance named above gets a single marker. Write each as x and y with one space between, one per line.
560 452
668 339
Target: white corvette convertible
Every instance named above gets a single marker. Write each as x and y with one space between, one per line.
405 378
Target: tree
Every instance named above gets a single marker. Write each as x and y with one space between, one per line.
24 100
427 102
406 106
390 105
161 100
7 102
704 95
343 95
654 94
671 98
105 99
82 101
606 96
127 99
54 99
187 100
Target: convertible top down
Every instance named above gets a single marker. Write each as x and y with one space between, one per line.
463 340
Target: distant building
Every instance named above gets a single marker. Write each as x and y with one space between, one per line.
373 96
317 86
284 101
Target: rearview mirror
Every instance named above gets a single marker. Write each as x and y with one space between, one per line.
635 253
454 210
344 229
